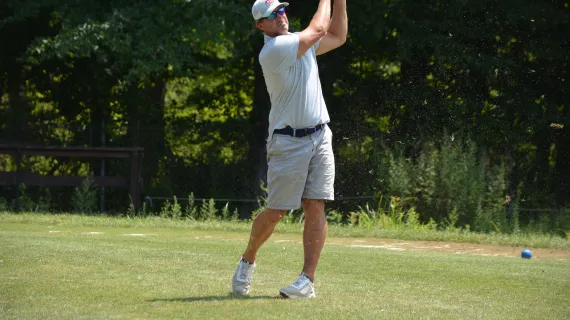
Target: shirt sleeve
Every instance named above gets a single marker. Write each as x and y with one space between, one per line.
280 54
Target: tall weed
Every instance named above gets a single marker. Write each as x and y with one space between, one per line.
451 184
85 196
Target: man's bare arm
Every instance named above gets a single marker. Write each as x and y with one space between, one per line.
338 29
317 29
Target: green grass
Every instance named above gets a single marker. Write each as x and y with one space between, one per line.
72 267
533 240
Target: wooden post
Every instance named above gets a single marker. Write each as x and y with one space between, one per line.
134 188
18 156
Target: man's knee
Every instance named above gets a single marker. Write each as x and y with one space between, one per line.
313 205
272 215
315 220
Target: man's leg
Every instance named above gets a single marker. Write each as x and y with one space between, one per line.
313 239
261 229
320 185
314 234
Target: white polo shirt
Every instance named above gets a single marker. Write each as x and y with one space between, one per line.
293 84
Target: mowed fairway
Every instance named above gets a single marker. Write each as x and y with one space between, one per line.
75 272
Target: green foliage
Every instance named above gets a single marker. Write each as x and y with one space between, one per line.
131 212
44 202
171 209
450 223
179 78
494 215
84 199
208 210
334 217
40 203
5 205
26 203
453 185
294 217
391 215
553 222
191 211
133 41
225 215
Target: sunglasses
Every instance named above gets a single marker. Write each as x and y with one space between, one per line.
273 15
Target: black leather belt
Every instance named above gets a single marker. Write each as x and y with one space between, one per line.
299 132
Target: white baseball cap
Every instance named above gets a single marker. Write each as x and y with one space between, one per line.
263 8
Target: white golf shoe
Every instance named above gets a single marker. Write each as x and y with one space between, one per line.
241 281
302 288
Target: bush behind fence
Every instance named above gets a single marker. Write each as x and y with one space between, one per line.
450 186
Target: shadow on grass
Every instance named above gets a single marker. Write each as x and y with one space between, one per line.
214 298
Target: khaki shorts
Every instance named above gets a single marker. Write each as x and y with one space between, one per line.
299 168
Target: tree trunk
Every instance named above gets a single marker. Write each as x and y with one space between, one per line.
539 179
257 157
562 167
98 140
18 107
146 127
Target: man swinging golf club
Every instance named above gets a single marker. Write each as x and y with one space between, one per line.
301 166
